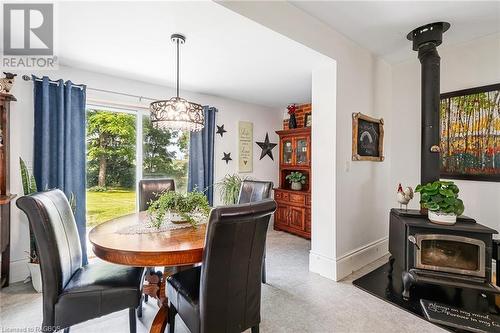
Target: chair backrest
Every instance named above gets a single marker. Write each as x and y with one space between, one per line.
232 266
254 190
56 235
151 189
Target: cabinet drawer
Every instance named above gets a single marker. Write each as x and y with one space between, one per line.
280 196
297 198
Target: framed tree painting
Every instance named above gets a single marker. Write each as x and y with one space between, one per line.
367 138
470 134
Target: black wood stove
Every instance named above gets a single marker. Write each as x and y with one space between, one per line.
458 256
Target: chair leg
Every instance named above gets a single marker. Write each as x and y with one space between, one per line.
264 270
66 330
171 318
132 320
255 329
139 310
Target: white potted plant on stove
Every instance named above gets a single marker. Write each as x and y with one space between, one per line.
441 200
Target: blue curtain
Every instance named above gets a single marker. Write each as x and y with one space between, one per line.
59 153
201 156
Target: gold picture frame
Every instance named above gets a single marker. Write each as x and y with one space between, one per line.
367 138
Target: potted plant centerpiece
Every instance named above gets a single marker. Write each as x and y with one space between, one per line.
296 179
441 200
191 207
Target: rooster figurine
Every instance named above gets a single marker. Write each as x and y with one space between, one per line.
404 196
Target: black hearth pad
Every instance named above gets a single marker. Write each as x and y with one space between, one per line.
388 287
454 317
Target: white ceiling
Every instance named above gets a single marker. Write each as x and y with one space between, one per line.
382 26
225 53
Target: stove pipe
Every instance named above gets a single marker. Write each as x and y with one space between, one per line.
425 40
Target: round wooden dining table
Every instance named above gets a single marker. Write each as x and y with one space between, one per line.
169 249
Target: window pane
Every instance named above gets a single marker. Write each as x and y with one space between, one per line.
111 167
165 154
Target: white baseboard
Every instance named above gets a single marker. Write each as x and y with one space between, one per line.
19 270
322 265
360 257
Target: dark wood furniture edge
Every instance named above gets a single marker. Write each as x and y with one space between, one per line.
7 97
292 191
5 196
147 259
302 130
5 199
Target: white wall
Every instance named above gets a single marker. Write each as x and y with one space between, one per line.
359 212
230 111
467 65
323 170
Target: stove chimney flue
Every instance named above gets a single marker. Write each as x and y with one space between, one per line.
425 40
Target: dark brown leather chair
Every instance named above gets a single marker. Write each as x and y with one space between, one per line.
150 189
252 191
73 293
223 294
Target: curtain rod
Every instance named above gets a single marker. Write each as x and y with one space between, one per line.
80 86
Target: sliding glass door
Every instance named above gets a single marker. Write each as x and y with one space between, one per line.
122 148
111 164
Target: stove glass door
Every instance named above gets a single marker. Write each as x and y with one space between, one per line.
449 253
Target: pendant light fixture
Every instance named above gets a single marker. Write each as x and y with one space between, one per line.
177 113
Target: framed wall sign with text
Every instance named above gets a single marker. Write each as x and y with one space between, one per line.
245 150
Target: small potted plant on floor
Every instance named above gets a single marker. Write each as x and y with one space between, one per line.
441 200
296 179
229 188
29 187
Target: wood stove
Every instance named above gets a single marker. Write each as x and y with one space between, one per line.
458 256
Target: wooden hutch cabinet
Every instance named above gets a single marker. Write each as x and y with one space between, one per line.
294 207
5 195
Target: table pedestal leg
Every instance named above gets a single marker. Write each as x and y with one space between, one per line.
161 319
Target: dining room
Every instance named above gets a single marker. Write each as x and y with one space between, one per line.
117 204
233 166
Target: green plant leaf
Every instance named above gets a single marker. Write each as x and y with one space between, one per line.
437 198
33 187
424 196
24 176
432 206
454 188
459 207
446 192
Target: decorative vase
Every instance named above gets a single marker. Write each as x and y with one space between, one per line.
36 276
442 218
292 122
296 186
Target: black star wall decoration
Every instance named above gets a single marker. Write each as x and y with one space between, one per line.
267 147
227 157
221 130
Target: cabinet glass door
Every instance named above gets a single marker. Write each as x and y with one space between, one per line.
301 152
287 151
